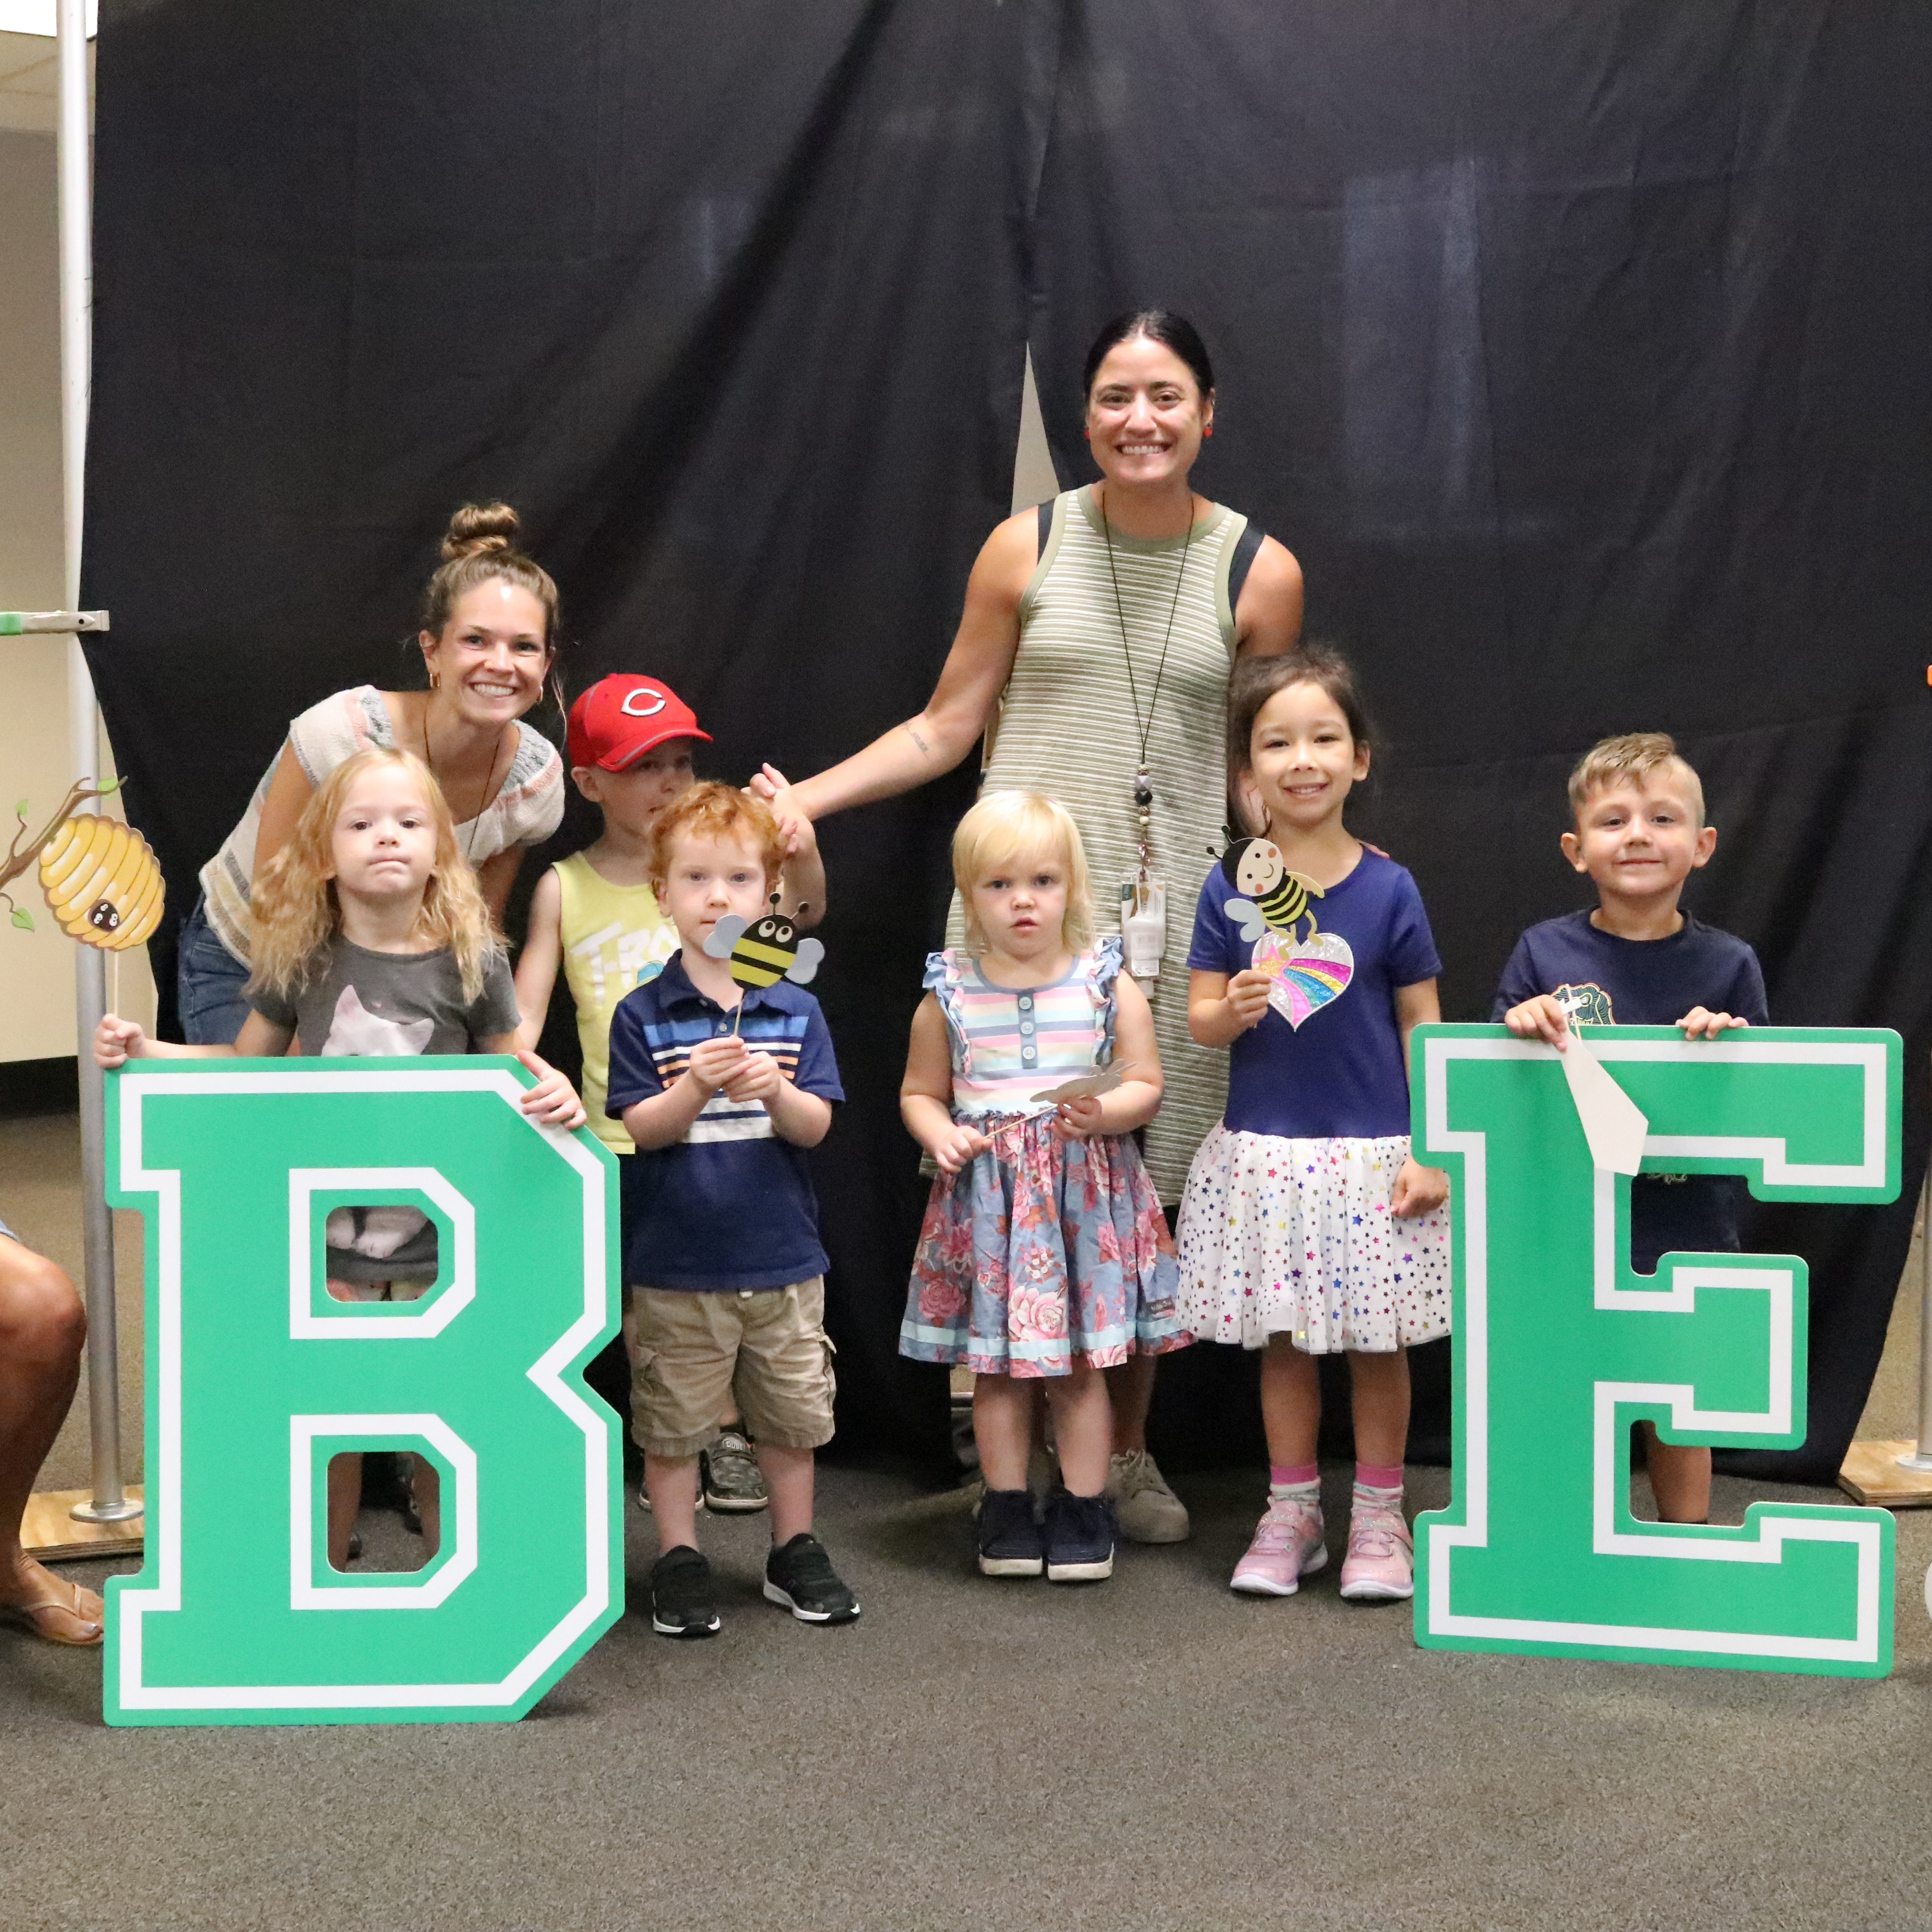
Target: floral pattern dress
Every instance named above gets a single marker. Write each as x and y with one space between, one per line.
1041 1252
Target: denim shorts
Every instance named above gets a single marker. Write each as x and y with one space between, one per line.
209 983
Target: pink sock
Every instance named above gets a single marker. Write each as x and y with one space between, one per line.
1373 1476
1292 1475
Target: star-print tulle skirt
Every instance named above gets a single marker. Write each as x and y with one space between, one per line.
1295 1237
1041 1252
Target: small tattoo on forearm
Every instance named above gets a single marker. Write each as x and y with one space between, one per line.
919 741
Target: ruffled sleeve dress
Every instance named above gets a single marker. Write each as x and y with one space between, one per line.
1041 1252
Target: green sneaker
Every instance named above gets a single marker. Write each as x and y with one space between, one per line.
729 1469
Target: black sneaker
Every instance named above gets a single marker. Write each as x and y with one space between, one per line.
1079 1538
681 1604
799 1575
1010 1542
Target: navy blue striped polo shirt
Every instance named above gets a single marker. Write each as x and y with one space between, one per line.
730 1206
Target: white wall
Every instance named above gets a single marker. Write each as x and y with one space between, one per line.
37 967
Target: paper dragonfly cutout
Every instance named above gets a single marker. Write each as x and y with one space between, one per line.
1087 1087
763 954
101 881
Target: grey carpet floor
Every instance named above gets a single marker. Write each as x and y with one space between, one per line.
1154 1753
1151 1753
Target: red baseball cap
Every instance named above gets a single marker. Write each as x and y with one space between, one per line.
623 716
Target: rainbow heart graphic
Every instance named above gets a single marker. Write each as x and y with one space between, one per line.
1308 974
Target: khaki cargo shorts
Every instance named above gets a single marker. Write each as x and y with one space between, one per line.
768 1349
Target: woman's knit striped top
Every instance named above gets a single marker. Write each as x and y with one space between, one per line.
1068 728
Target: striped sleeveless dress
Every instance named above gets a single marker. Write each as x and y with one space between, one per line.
1039 1251
1067 728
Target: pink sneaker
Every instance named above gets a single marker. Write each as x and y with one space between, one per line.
1380 1566
1288 1546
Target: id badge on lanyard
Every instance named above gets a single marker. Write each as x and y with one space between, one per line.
1143 924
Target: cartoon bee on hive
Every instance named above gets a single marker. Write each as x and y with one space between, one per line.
102 882
763 954
1269 895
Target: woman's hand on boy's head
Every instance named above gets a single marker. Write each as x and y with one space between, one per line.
553 1101
1702 1020
1544 1018
771 785
1418 1190
116 1041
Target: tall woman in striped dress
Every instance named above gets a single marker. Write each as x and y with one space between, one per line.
1108 620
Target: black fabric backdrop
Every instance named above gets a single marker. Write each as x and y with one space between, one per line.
1579 353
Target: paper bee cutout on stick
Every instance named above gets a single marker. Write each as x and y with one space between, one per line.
102 882
1270 897
763 954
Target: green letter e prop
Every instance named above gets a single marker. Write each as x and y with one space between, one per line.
1560 1347
256 1377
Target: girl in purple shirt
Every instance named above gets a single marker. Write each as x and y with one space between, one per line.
1307 1229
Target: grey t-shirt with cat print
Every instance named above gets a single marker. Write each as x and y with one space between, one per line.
360 1002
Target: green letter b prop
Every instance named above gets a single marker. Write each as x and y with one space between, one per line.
1559 1347
256 1377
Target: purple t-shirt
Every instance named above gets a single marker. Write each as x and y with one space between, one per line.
1338 1074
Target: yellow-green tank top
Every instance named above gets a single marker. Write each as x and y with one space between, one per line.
613 937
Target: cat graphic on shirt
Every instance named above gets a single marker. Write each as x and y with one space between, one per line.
357 1031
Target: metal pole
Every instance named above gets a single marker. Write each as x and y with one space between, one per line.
109 1504
1920 1458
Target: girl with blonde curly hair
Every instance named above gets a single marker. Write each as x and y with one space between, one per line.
370 937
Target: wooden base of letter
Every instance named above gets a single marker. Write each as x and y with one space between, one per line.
1871 1475
51 1533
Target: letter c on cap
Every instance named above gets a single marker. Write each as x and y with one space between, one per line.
655 701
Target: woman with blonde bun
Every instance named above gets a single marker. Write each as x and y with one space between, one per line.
488 639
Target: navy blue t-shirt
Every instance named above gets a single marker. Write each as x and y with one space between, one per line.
1338 1075
1649 982
730 1206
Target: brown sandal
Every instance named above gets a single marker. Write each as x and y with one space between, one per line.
83 1610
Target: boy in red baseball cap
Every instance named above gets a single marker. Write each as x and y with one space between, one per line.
594 914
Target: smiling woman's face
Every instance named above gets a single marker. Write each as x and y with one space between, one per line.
1145 414
490 663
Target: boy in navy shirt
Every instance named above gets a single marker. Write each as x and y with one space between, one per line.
723 1088
1638 961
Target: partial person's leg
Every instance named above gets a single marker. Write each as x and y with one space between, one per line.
1287 1542
1080 1522
1380 1385
1003 1428
1130 1391
1082 1427
1680 1477
42 1326
1379 1567
1291 1403
788 1475
672 1481
345 1502
1148 1511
